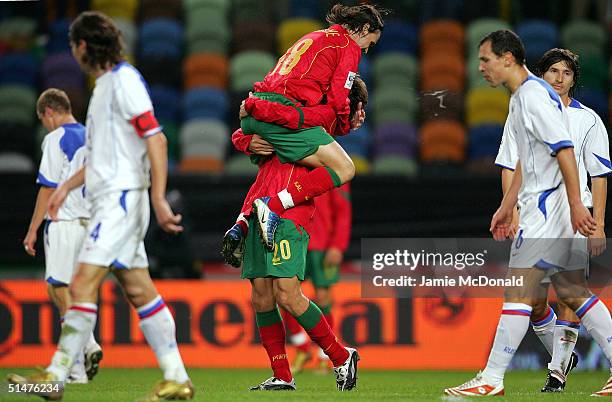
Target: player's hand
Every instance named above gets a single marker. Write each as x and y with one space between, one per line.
597 242
259 146
582 220
500 223
55 202
166 219
359 117
243 113
29 242
514 225
333 257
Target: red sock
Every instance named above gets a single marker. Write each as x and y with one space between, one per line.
273 340
330 320
323 336
316 182
293 328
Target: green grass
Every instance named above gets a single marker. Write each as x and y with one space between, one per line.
232 385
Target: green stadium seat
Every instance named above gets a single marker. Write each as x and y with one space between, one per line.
204 138
593 72
395 165
395 69
207 31
17 104
479 29
395 105
584 38
248 67
216 5
253 10
241 165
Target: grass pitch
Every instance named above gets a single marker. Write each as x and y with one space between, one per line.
232 385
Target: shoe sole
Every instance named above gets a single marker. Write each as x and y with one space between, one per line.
228 246
260 230
92 363
348 387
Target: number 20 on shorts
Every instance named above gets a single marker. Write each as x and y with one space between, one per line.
285 252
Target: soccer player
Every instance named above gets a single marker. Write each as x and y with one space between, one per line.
320 66
63 154
329 238
124 142
559 333
546 172
275 275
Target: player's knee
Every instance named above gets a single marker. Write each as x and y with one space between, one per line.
136 294
262 303
81 289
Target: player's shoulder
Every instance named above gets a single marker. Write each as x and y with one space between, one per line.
580 109
127 75
54 137
536 88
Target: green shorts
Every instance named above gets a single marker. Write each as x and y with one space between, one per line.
290 145
322 276
286 261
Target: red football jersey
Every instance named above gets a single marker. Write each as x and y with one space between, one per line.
321 64
273 177
331 224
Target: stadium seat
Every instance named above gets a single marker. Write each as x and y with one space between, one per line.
394 69
362 165
441 9
18 33
251 35
441 71
11 162
473 10
398 37
443 140
204 138
593 72
484 140
170 129
216 5
395 165
246 68
356 142
60 70
159 70
166 102
241 165
365 70
129 33
585 38
161 38
394 105
199 164
207 31
17 105
442 36
206 70
441 105
595 99
151 9
254 10
395 139
205 103
18 68
538 37
58 37
486 105
306 9
116 8
479 29
550 10
290 30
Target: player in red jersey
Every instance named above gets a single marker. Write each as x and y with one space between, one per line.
318 68
329 238
275 275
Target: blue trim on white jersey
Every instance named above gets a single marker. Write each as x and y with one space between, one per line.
545 265
128 65
603 161
551 92
504 166
73 139
41 179
55 282
118 265
122 200
575 104
542 199
557 146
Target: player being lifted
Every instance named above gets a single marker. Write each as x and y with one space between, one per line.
125 142
63 154
551 212
318 68
558 333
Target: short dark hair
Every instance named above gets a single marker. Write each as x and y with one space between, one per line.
358 93
103 38
354 18
53 98
556 55
503 41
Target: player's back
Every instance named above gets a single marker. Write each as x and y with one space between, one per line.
305 72
541 128
64 155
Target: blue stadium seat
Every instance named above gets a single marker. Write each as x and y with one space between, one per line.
595 99
484 140
538 37
58 36
161 37
398 37
205 103
305 9
18 68
357 142
166 102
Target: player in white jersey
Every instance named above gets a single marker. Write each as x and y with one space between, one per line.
546 172
124 142
558 333
63 154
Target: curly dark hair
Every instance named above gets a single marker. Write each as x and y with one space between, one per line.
553 56
358 93
103 38
354 18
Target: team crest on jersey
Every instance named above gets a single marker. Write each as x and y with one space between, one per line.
349 80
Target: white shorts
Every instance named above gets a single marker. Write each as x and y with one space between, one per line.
118 224
63 241
545 238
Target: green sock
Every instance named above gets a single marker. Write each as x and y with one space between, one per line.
268 318
311 317
334 176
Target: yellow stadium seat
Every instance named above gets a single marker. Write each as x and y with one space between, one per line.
289 31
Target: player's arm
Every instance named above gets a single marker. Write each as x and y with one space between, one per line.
500 223
506 179
340 85
251 144
40 209
341 225
599 188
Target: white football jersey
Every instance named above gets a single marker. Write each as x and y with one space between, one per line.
590 138
116 133
63 154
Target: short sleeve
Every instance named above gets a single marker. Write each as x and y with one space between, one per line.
548 119
597 151
50 170
135 103
507 155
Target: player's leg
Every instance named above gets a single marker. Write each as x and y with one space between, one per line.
272 334
323 300
572 289
543 317
511 329
288 294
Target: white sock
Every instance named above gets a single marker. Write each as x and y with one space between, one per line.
79 321
299 339
595 317
91 342
78 368
544 328
566 335
158 327
286 199
511 329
